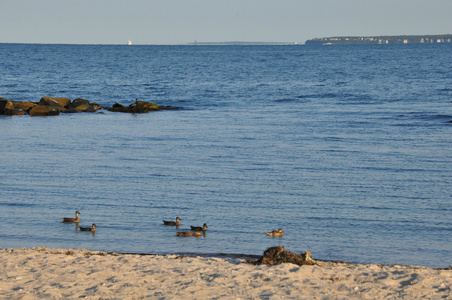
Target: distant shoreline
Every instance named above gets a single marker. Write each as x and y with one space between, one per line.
334 40
384 39
237 43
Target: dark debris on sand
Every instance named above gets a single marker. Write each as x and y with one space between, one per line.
279 255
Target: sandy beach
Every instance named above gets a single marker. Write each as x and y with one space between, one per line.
81 274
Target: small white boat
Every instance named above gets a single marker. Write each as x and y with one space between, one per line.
129 42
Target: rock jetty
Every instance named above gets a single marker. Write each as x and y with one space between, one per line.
51 106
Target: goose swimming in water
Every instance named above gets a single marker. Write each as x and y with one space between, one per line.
172 223
188 233
196 228
72 220
278 232
92 228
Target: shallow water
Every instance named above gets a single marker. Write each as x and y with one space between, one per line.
346 148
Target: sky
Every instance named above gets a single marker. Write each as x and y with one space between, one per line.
183 21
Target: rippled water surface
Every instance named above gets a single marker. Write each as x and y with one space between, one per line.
346 148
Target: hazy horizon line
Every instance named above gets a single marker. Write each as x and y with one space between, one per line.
195 42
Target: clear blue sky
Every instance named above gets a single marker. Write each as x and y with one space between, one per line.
183 21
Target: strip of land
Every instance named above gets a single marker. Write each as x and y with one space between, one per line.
384 39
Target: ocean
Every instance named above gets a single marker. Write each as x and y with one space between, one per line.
347 148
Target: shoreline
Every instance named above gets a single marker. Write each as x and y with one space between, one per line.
29 273
221 255
247 257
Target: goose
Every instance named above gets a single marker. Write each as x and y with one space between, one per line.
196 228
172 223
188 233
72 220
92 228
278 232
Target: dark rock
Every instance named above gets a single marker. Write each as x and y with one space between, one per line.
81 105
137 108
50 100
118 108
23 105
169 107
96 106
78 101
8 107
90 108
5 106
143 106
44 110
71 111
58 103
16 112
279 255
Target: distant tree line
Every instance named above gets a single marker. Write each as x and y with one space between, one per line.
396 39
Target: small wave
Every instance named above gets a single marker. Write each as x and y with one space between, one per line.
375 207
426 117
443 117
9 85
17 204
433 117
285 100
154 88
319 96
263 84
440 209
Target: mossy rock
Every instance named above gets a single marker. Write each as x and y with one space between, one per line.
44 110
279 255
138 107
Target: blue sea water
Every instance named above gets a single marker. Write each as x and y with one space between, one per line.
348 149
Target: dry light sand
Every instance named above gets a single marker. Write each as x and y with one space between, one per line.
43 273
